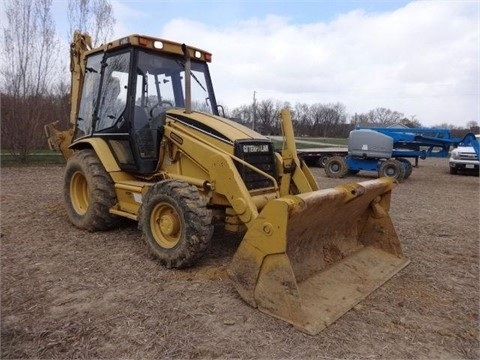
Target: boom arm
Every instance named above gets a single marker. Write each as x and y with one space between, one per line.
81 43
61 140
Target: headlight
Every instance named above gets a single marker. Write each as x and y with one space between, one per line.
455 154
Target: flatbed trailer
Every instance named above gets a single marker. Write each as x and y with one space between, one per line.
320 156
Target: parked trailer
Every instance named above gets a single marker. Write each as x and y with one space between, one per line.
320 156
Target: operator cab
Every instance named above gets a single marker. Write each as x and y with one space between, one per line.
127 91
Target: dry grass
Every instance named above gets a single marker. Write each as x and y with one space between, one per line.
66 293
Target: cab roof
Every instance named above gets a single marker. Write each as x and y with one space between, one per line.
154 44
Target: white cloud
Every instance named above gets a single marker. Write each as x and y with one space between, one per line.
422 59
126 16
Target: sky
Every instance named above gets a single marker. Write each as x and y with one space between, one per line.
420 58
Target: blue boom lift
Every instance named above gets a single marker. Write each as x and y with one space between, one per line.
386 150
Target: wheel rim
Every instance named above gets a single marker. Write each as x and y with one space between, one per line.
391 171
165 225
335 167
324 160
79 193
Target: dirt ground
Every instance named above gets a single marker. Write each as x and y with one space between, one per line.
67 293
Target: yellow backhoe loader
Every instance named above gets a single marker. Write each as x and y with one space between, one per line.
147 143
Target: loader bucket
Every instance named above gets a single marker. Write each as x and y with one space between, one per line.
309 258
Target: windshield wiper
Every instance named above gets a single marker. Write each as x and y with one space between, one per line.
192 75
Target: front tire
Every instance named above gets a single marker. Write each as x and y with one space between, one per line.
408 167
176 224
336 167
89 192
392 168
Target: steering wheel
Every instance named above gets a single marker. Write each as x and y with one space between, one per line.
164 104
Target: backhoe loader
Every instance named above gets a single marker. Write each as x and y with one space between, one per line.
147 143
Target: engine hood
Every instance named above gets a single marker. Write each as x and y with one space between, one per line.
217 126
465 149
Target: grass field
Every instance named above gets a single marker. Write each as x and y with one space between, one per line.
43 157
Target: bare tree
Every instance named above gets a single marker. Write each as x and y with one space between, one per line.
243 115
93 16
267 116
384 116
30 47
361 119
411 123
28 73
326 119
473 126
301 119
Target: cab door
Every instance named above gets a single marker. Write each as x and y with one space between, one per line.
112 117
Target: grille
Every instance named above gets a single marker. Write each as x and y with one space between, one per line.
260 154
468 156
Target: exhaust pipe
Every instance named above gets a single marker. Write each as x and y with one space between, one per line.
188 84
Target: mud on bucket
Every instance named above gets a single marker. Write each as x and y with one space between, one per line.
309 258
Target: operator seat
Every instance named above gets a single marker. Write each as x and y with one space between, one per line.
147 135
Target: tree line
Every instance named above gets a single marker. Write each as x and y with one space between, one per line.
319 120
327 120
35 90
34 86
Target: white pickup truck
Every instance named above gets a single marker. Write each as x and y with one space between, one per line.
464 158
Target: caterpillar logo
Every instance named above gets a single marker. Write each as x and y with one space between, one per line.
255 148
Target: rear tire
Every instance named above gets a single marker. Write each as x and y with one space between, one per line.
408 167
89 192
322 162
176 224
336 167
392 168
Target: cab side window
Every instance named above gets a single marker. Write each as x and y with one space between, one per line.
113 96
91 84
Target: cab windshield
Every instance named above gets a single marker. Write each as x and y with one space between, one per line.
160 84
